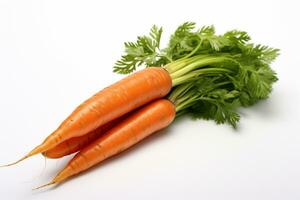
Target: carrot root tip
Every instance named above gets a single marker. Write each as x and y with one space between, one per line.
45 185
16 162
31 153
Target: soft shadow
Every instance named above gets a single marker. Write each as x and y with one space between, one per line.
267 108
142 144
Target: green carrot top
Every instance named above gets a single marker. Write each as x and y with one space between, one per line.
212 74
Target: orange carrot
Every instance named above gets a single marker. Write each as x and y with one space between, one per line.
142 123
75 144
110 103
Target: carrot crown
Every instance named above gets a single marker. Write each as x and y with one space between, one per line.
212 74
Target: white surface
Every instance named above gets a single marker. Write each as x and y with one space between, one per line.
55 54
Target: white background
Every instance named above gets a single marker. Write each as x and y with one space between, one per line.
55 54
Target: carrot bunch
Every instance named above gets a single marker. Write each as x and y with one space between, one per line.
199 73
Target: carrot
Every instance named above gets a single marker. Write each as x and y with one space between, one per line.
142 123
110 103
75 144
72 145
211 75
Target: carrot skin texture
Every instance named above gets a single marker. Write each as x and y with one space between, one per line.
75 144
142 123
110 103
72 145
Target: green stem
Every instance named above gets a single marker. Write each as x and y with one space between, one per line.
197 64
181 106
174 66
180 63
194 51
179 92
180 113
190 97
196 73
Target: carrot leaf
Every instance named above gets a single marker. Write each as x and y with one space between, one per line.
212 75
145 51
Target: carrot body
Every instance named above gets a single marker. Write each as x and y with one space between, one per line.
110 103
140 124
75 144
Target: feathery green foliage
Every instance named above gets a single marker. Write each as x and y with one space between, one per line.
212 74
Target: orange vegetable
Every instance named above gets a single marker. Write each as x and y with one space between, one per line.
75 144
110 103
140 124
